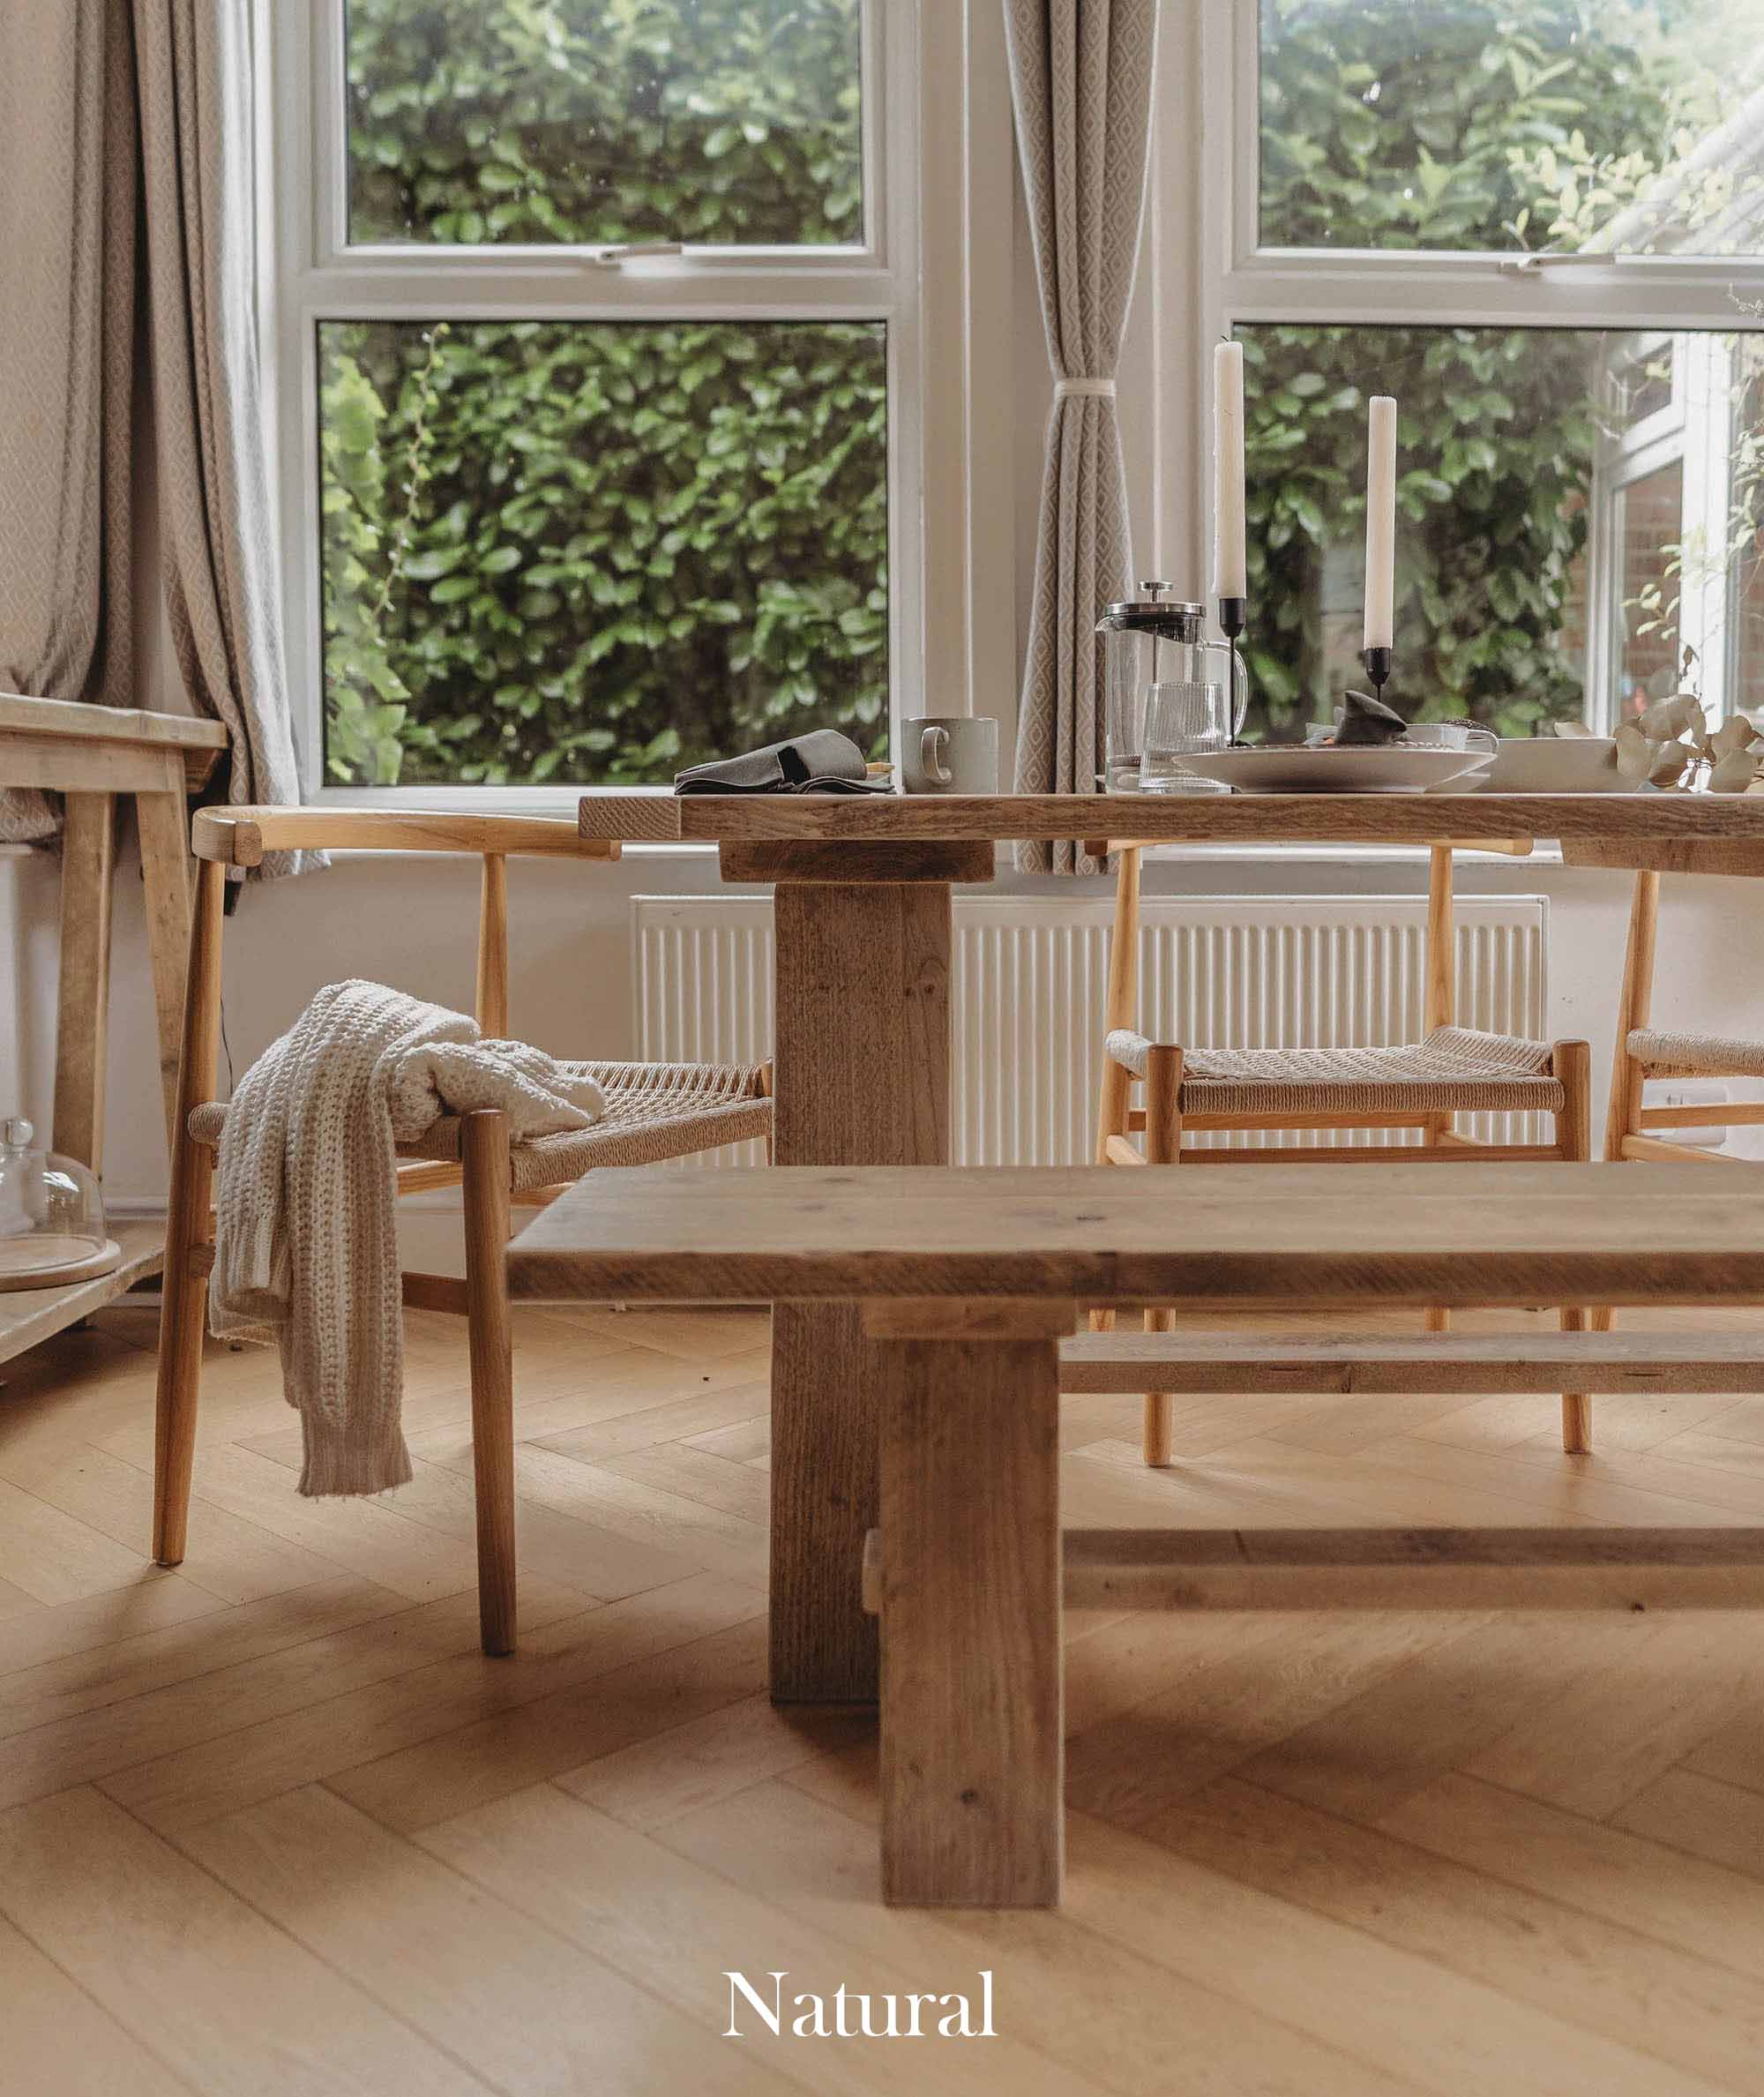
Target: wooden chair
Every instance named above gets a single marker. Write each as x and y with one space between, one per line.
1421 1087
1644 1051
654 1111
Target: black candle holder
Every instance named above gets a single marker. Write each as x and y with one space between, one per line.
1234 616
1377 663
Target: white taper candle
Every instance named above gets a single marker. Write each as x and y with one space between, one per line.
1231 559
1381 523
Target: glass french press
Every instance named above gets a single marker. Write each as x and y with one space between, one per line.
1168 694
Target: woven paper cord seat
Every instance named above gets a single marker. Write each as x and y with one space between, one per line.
1453 1070
655 1111
1698 1051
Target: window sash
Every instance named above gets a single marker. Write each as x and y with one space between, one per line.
909 53
329 190
1345 285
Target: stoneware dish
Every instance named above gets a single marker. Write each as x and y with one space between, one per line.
1555 765
1284 769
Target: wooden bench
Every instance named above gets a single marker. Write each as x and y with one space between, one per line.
974 1276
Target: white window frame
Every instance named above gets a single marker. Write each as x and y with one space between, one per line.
907 271
1207 273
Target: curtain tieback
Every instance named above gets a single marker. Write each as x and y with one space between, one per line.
1084 389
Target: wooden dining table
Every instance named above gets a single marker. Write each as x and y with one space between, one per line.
861 960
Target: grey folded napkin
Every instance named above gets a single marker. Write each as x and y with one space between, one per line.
823 761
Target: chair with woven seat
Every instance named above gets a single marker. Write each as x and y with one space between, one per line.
1415 1090
1644 1051
653 1112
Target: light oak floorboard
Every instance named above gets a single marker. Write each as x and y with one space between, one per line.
40 1632
689 1650
399 1713
222 1997
1704 1908
80 1681
1702 1817
669 1774
1603 1978
234 1560
57 2038
514 2001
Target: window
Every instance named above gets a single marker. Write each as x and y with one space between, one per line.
1540 224
597 347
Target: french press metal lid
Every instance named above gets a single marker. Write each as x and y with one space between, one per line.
1164 618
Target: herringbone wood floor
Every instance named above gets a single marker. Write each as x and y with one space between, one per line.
272 1824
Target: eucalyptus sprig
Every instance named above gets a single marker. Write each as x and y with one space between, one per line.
1672 746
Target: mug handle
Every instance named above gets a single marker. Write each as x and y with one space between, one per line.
932 743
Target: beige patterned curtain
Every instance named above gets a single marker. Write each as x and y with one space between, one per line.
67 334
140 107
1081 81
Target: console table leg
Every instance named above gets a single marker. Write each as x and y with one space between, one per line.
972 1758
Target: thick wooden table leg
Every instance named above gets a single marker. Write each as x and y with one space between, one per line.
862 1078
972 1748
88 854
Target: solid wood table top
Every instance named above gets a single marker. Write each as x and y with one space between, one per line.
1484 1234
1174 819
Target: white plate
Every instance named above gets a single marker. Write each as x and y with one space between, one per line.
1284 769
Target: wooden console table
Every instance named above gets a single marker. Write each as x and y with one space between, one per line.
862 969
92 755
965 1282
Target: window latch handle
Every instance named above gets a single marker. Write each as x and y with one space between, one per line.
616 255
1539 260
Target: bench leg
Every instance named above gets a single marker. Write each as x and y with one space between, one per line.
1164 1147
972 1740
1572 1062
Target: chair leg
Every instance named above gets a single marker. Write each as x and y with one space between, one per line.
484 1150
184 1288
184 1300
1164 1147
768 1090
1572 1062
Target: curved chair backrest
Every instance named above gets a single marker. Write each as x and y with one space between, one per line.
224 837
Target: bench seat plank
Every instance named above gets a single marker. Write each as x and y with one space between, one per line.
1472 1233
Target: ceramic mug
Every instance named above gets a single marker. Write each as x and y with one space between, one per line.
950 753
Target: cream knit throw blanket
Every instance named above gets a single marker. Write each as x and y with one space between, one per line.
306 1235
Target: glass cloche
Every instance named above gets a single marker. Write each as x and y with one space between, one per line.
51 1215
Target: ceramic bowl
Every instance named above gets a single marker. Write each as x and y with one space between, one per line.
1555 765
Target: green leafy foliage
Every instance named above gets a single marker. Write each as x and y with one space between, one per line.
595 552
703 121
1425 127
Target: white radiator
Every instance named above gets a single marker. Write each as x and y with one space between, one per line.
1243 972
